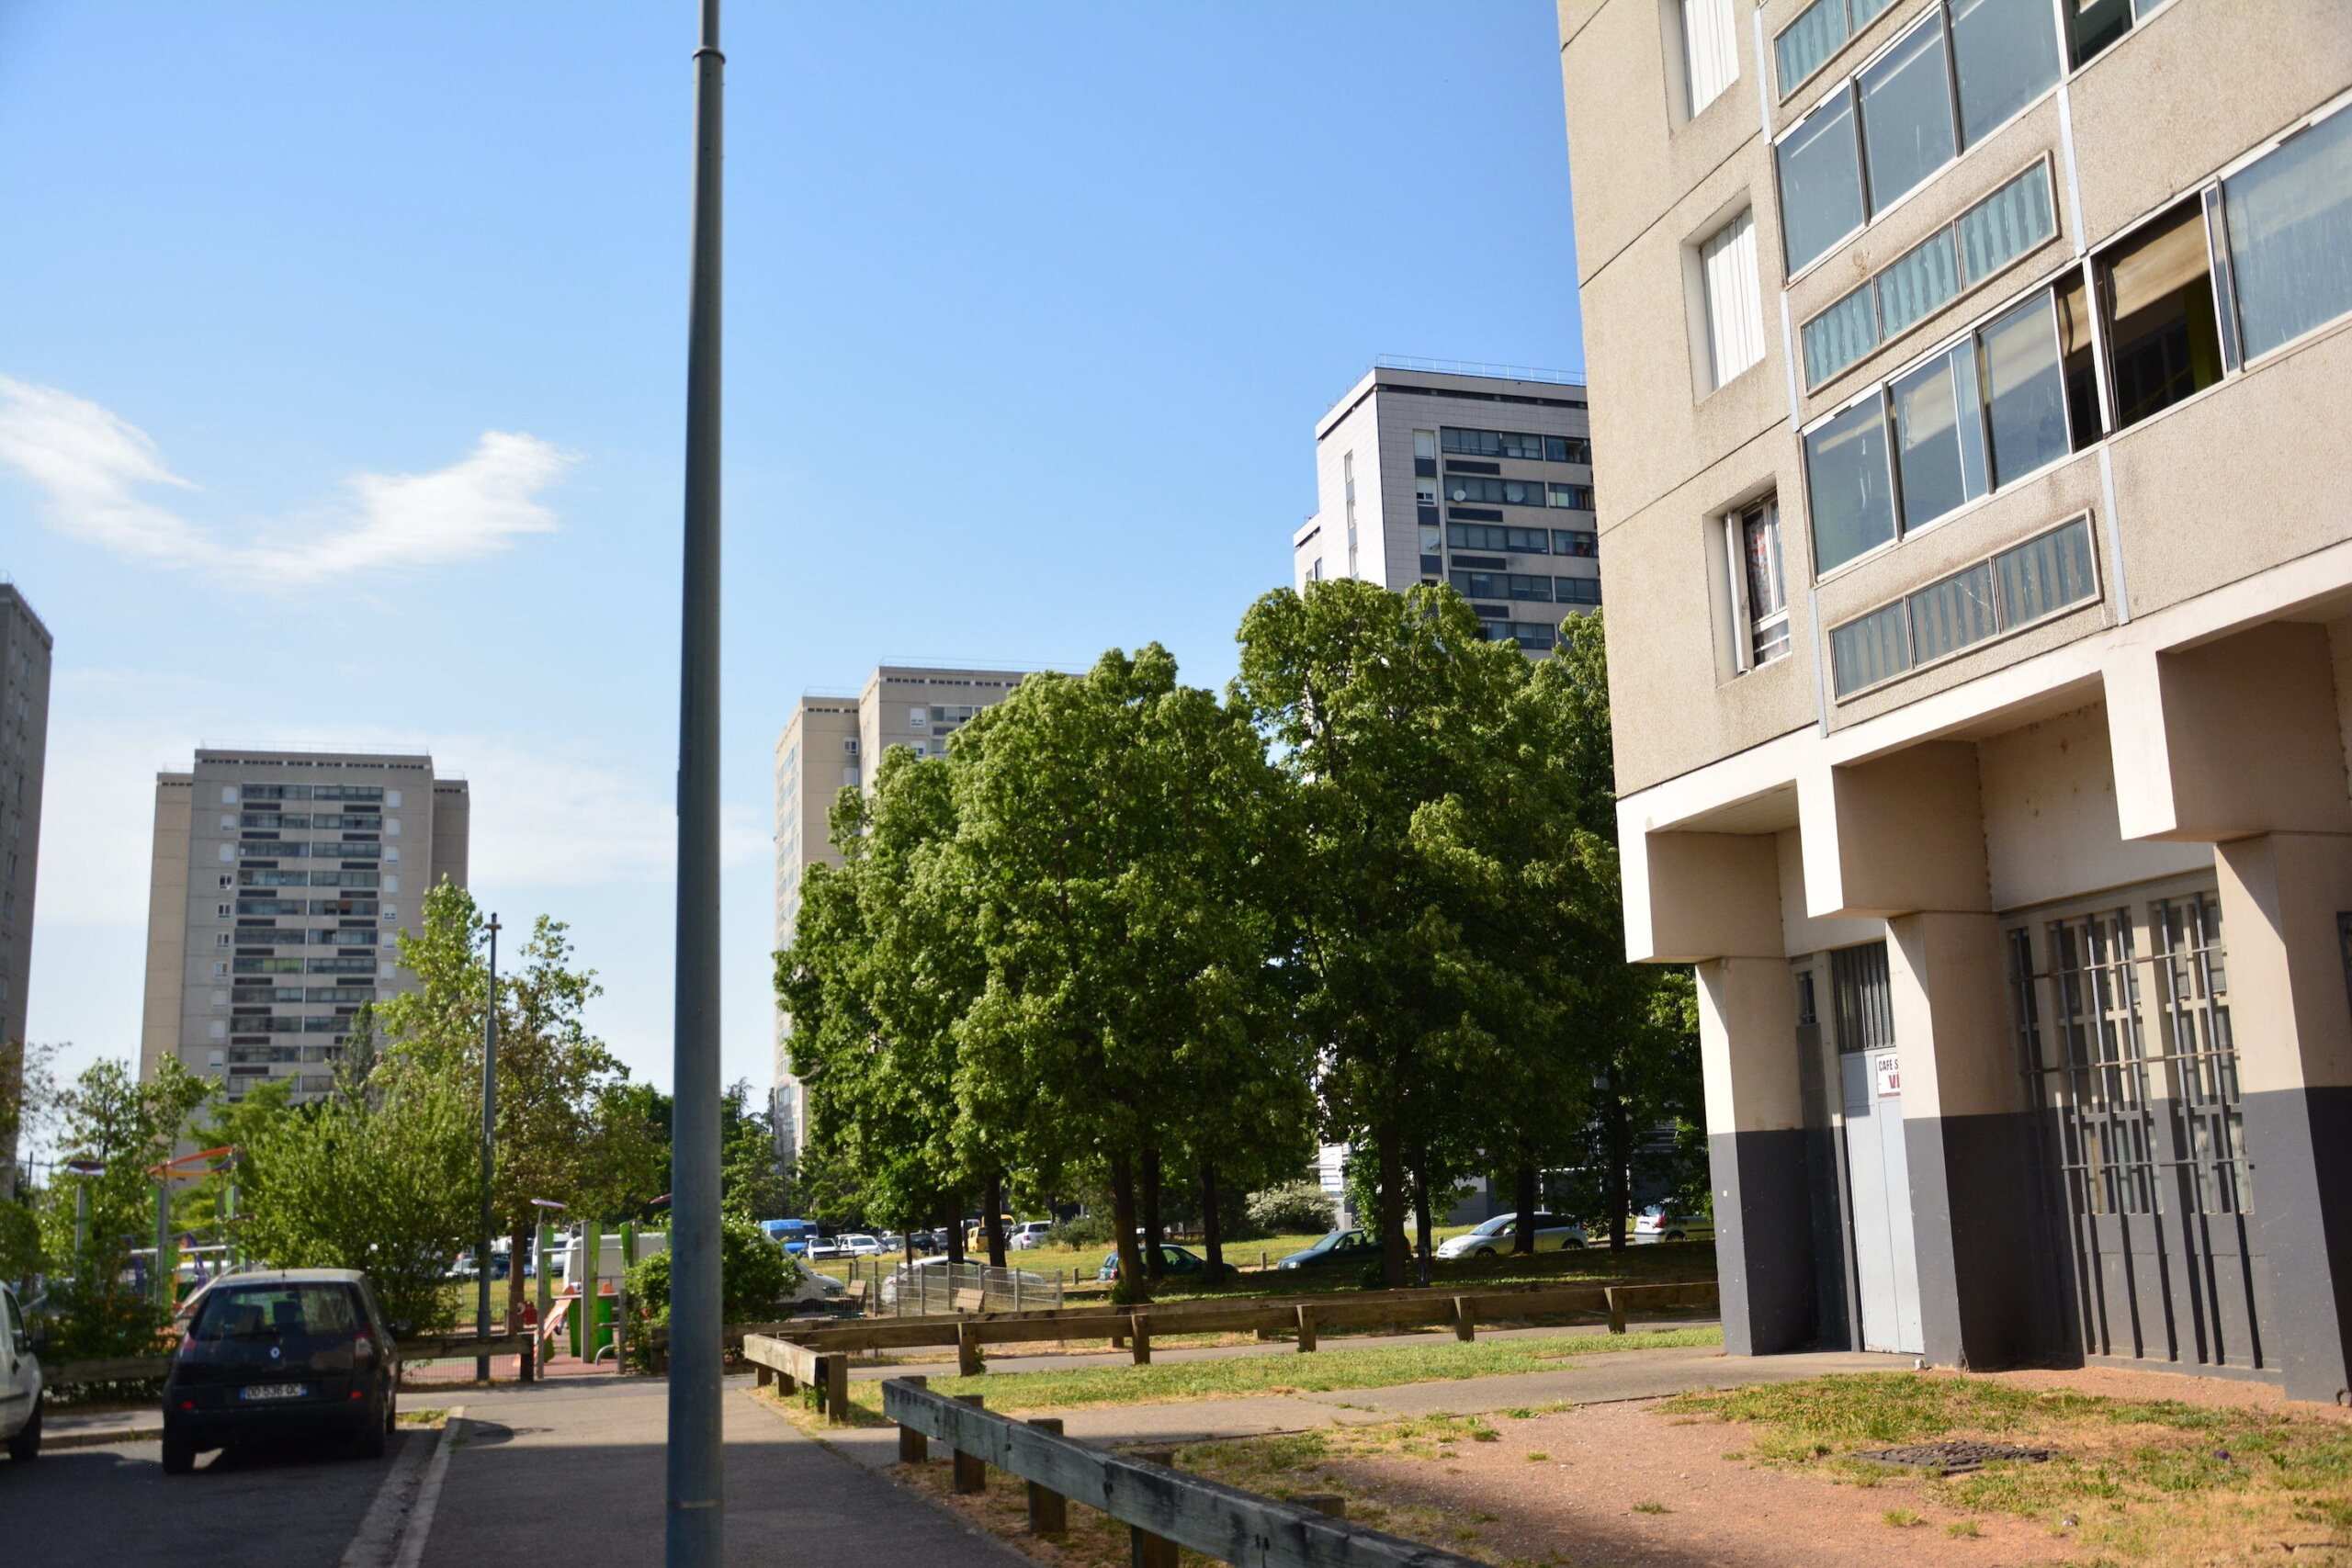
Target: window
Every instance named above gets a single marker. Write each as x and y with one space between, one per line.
1816 34
1710 51
1944 85
2163 340
1821 183
2003 402
1759 586
1907 131
1575 542
2016 588
1567 449
1577 590
918 717
1734 313
1496 492
1491 444
2092 25
1487 536
2289 222
1574 498
1425 453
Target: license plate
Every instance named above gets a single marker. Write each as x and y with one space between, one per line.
272 1391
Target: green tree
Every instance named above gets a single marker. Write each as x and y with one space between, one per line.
756 1276
566 1131
1113 837
1383 711
388 1181
113 1121
751 1180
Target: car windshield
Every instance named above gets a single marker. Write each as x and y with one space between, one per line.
279 1310
1497 1225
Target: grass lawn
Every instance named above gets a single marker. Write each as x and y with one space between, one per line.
2145 1481
1239 1376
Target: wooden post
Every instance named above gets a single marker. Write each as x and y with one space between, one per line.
1466 1319
823 1381
1616 1312
913 1447
837 1389
971 1472
967 1350
1048 1511
1329 1503
1306 1328
1140 1327
1261 1260
1146 1550
763 1375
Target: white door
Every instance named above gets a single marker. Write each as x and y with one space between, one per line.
1885 1262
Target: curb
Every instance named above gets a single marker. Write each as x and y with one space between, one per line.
100 1438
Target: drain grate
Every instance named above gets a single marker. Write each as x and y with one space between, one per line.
1951 1459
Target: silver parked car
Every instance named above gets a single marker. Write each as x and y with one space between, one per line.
1498 1236
19 1382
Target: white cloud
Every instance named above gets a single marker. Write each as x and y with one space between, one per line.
92 466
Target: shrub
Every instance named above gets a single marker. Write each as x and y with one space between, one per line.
755 1275
1298 1208
1088 1230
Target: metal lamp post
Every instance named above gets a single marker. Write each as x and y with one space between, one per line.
696 1528
488 1154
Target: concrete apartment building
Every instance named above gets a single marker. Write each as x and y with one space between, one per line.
25 648
1980 570
1426 472
828 744
280 880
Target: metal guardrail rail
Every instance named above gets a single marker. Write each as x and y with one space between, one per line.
1163 1507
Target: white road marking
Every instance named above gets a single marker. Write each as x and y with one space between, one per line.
428 1496
392 1535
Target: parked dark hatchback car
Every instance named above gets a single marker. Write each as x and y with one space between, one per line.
286 1352
1339 1247
1172 1260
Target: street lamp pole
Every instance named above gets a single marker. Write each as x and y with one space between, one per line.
695 1530
488 1154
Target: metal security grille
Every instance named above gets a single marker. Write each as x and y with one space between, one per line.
1865 1008
2123 1025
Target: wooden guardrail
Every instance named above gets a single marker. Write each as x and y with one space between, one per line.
782 1361
1306 1315
1162 1507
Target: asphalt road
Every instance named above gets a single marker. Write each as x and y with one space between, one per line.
297 1505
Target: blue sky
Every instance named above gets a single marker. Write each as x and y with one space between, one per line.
341 358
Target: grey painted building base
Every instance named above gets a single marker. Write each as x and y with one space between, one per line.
2298 1143
1764 1240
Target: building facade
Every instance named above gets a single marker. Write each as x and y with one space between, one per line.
828 745
280 883
25 648
1982 654
1425 474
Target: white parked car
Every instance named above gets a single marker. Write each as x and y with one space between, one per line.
1658 1222
19 1382
1029 1233
1498 1236
927 1278
861 1245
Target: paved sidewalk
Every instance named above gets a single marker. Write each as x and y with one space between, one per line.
1604 1378
572 1471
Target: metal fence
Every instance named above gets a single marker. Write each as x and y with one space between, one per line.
913 1289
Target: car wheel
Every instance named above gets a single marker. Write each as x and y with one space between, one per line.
1674 1236
179 1454
25 1444
1484 1252
391 1412
367 1442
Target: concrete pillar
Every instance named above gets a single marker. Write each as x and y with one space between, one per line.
2285 897
1757 1155
1968 1140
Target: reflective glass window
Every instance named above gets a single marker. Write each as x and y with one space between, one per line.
2288 218
2006 54
2164 343
1821 182
1907 113
1939 442
1853 500
2025 396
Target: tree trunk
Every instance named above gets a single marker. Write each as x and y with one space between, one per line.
1522 1230
1155 1236
1422 1219
1122 1221
1391 1161
955 1229
993 1220
1619 1161
519 1250
1212 1233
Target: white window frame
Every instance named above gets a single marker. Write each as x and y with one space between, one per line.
1713 42
1727 254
